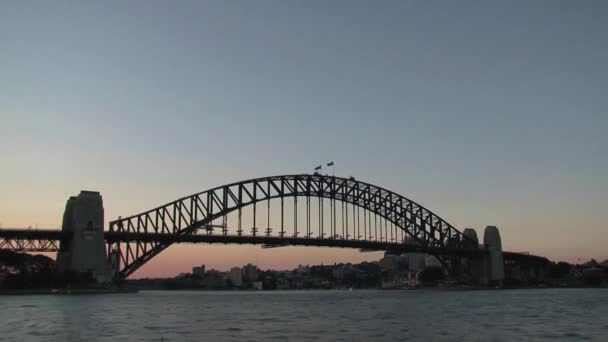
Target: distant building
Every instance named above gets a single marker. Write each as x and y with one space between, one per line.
395 263
236 276
394 283
432 261
303 269
416 262
250 273
338 273
258 285
389 262
213 279
283 284
198 271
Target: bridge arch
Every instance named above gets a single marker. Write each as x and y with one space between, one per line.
185 216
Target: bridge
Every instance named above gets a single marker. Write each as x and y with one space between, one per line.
277 211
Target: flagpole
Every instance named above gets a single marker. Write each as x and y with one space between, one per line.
333 170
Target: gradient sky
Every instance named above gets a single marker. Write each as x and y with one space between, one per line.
486 112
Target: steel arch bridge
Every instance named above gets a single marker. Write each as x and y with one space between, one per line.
360 215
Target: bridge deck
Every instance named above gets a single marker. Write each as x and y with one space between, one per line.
286 241
32 234
58 235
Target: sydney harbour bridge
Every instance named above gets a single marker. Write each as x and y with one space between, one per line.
277 211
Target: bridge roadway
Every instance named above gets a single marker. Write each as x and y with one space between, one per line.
31 238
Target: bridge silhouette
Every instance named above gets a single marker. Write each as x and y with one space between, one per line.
277 211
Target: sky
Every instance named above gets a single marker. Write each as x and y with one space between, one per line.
485 112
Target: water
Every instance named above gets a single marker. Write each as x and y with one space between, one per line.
425 315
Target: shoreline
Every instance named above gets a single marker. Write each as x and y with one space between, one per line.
65 291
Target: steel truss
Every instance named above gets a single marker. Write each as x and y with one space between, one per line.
411 223
32 240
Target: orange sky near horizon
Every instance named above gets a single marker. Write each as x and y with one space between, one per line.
522 229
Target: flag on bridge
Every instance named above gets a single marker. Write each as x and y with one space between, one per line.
330 164
318 168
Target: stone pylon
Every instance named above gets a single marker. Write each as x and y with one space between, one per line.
473 266
486 270
85 252
494 262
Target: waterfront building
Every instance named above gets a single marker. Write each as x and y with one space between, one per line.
250 273
338 273
389 262
236 276
416 262
303 269
213 279
432 261
198 271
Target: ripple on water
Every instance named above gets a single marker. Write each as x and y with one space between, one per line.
232 329
571 335
314 316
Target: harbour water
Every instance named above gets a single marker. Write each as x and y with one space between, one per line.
365 315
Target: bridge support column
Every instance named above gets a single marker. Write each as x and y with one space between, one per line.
474 267
494 262
85 252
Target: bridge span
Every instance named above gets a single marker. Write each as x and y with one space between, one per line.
289 210
48 240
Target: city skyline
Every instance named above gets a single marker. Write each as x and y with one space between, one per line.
485 114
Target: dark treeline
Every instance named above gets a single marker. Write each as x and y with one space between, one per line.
20 271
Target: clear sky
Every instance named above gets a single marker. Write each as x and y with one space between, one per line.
486 112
